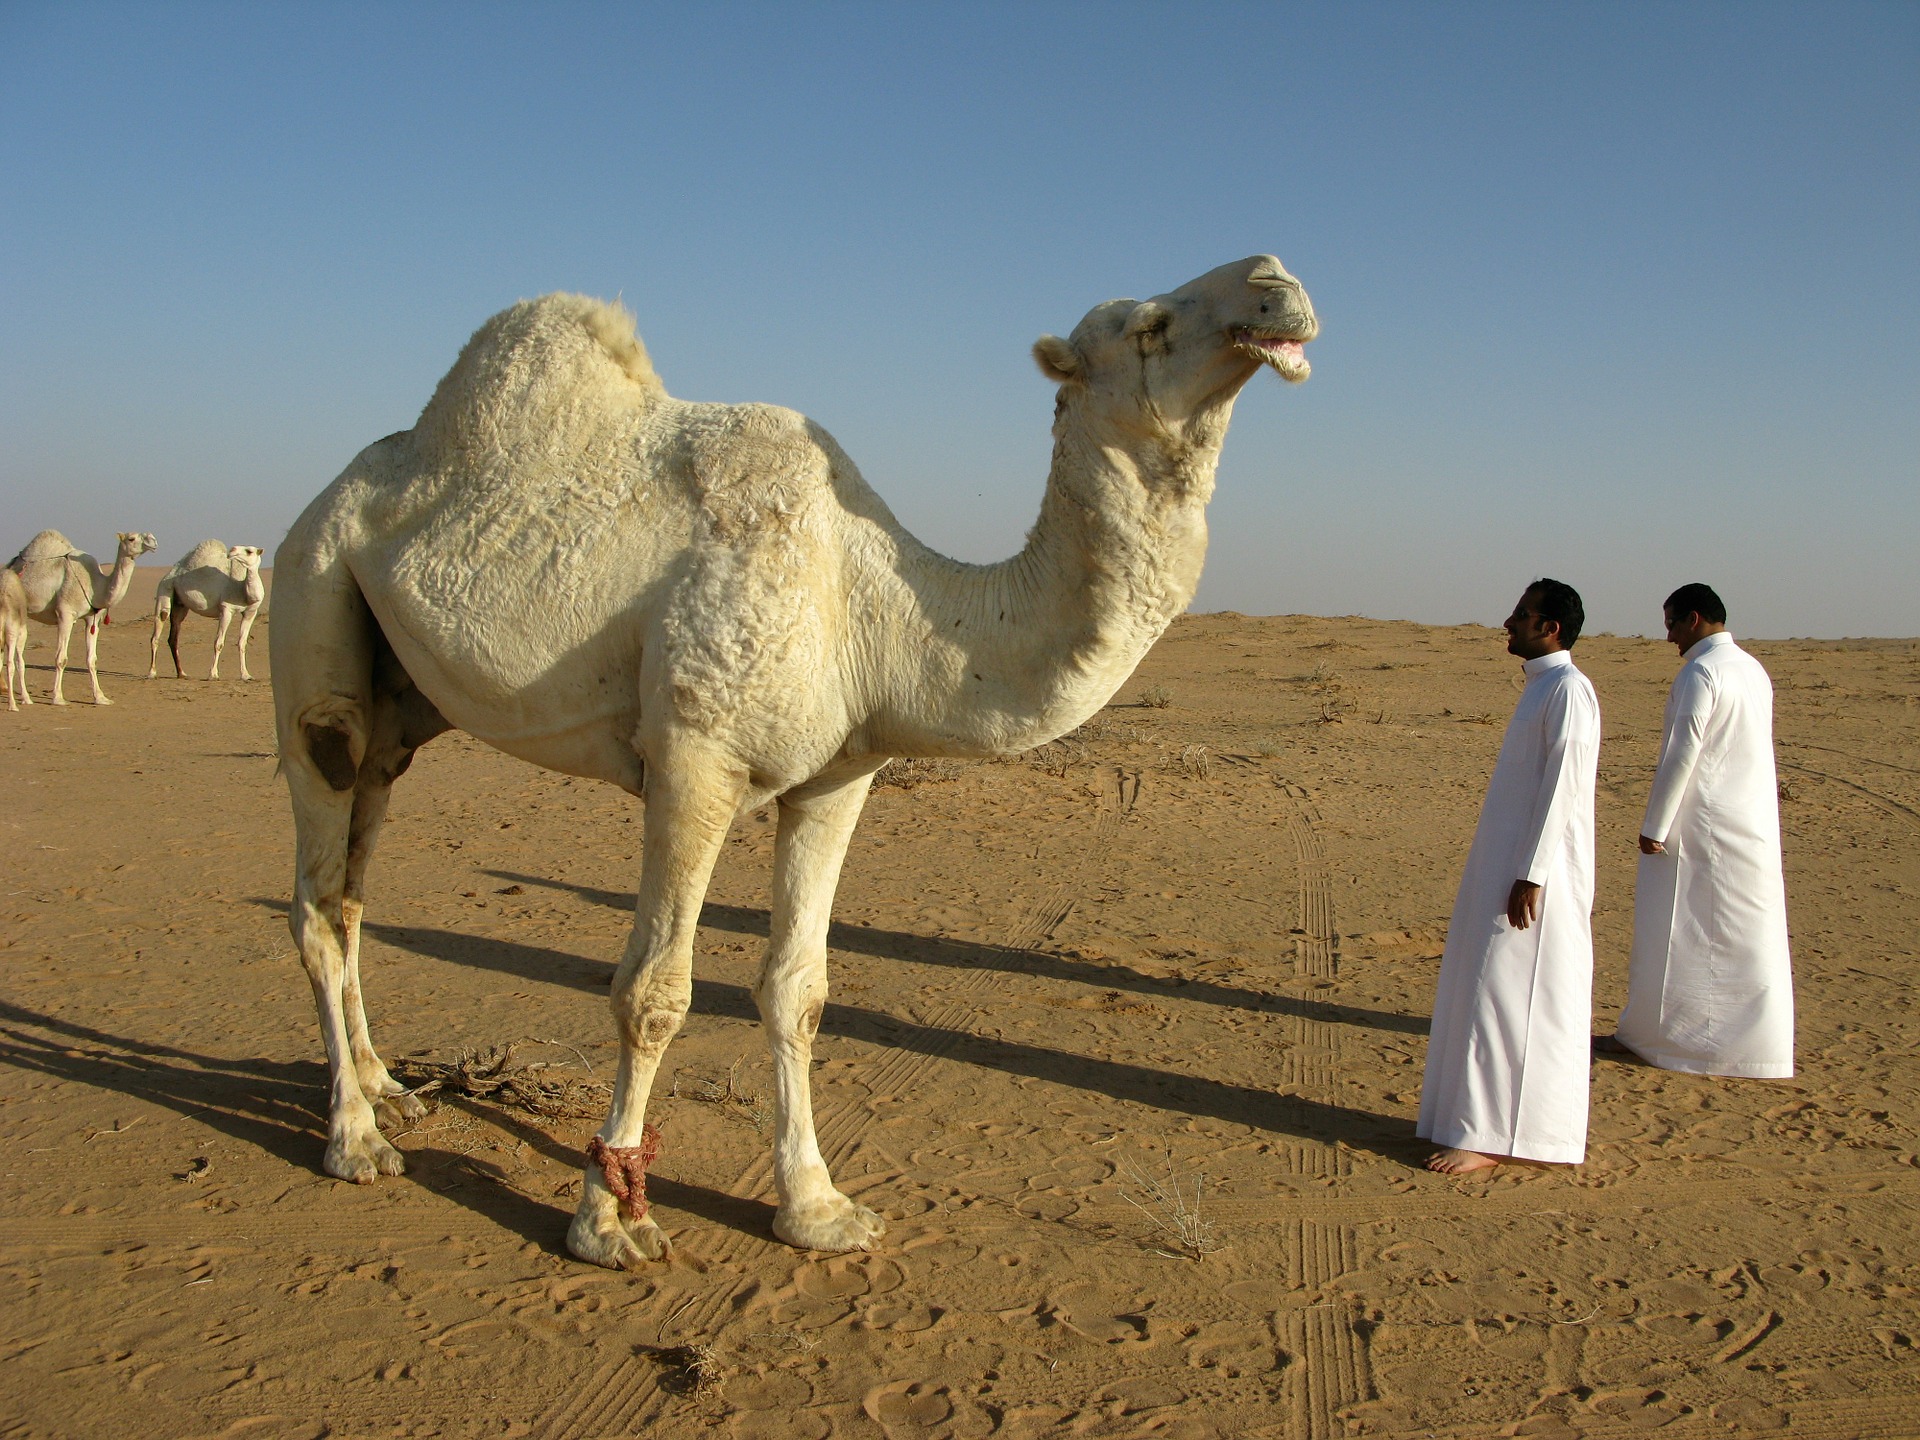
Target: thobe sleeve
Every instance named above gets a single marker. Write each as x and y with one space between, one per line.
1687 715
1562 742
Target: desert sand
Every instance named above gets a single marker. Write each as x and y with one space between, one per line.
1191 947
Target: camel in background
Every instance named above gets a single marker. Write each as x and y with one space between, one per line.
210 579
63 585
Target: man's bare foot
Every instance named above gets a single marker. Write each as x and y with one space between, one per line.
1609 1045
1461 1162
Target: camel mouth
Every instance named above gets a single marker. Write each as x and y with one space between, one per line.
1285 353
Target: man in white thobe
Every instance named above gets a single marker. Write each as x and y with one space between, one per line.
1508 1058
1710 985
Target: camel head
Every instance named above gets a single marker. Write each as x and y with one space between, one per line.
134 542
1189 351
243 560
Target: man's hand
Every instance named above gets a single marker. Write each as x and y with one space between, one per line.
1523 904
1650 846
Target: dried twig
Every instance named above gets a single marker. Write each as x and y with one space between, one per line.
495 1075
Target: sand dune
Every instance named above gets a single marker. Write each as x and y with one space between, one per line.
1191 947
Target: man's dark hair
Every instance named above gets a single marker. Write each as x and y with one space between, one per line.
1559 602
1697 599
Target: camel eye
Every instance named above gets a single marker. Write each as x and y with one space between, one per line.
1263 309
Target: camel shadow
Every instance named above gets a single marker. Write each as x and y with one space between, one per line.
278 1107
1166 1090
971 955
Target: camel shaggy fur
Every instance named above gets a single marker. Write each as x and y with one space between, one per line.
706 605
63 585
210 579
13 635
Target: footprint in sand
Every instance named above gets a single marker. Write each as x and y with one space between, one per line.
908 1405
774 1390
1102 1315
1233 1348
847 1277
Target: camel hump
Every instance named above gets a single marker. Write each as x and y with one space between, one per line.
562 365
47 545
208 553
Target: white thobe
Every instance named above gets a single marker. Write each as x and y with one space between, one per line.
1710 986
1508 1057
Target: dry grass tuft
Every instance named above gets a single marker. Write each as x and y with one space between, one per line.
731 1096
1197 761
1156 697
690 1369
1180 1232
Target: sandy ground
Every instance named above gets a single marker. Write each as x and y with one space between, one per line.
1195 945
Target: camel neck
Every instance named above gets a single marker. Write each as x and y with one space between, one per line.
111 588
1015 653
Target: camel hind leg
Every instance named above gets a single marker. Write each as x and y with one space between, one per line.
162 610
220 639
402 721
177 622
247 617
323 710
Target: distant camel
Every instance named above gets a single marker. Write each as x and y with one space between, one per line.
209 579
13 634
63 585
707 605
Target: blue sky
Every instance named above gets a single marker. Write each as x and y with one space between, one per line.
1621 294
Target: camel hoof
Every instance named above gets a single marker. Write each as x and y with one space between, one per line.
835 1225
601 1235
361 1157
394 1111
103 700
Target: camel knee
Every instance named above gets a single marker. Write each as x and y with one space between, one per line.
792 1003
649 1016
331 751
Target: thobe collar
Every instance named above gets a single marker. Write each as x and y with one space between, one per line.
1552 660
1700 647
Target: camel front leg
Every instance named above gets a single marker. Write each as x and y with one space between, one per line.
93 658
247 617
220 640
815 827
60 643
691 795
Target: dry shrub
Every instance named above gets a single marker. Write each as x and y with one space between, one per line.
905 772
1156 697
496 1074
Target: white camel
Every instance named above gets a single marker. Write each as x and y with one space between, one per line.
13 634
63 585
210 579
707 605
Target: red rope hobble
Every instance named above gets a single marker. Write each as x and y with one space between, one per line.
625 1169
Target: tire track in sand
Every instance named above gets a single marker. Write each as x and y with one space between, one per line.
1331 1369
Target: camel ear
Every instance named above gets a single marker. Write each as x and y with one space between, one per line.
1058 360
1147 325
